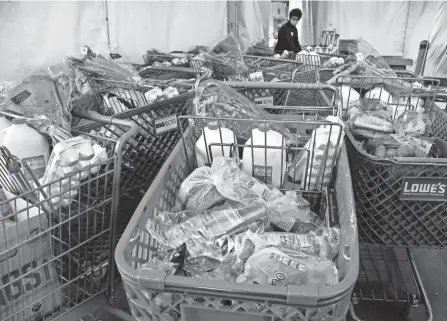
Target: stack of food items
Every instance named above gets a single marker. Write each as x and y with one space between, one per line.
227 225
388 127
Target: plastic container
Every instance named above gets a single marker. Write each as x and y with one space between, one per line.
29 145
211 135
266 164
153 295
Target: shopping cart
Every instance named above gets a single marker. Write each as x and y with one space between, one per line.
283 98
270 69
386 222
56 246
147 152
154 295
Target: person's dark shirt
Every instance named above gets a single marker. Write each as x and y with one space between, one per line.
287 39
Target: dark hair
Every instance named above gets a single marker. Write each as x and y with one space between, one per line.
295 13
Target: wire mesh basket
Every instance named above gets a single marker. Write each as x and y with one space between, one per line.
315 61
388 214
155 295
56 243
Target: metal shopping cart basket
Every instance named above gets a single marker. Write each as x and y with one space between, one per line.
155 295
386 220
55 250
145 155
271 68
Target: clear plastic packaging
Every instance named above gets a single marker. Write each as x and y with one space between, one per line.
412 123
36 99
228 56
201 231
206 186
215 99
272 266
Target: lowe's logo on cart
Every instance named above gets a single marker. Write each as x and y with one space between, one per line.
424 189
163 125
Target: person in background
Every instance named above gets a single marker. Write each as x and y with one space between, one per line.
288 34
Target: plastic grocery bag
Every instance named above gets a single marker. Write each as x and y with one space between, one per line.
272 266
292 213
36 99
215 99
412 123
227 57
206 186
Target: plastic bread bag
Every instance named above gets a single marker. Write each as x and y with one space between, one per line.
36 99
323 243
245 244
412 123
201 231
206 186
319 154
281 267
216 99
293 214
228 56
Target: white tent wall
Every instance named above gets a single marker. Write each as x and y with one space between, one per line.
394 28
252 19
35 35
436 64
169 25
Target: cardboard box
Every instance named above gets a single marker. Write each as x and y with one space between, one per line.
17 259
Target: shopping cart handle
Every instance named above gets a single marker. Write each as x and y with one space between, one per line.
93 115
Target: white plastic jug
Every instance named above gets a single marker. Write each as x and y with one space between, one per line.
4 123
212 135
255 162
29 145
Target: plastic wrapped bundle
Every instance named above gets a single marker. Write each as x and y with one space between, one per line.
412 123
272 266
215 99
227 57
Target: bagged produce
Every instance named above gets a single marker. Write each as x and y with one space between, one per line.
36 99
413 124
215 99
272 266
227 57
206 186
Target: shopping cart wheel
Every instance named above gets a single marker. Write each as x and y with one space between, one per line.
354 301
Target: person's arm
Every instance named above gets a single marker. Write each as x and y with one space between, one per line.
297 43
282 37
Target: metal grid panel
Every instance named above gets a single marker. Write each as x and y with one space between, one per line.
56 248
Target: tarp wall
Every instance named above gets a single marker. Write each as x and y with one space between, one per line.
38 34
